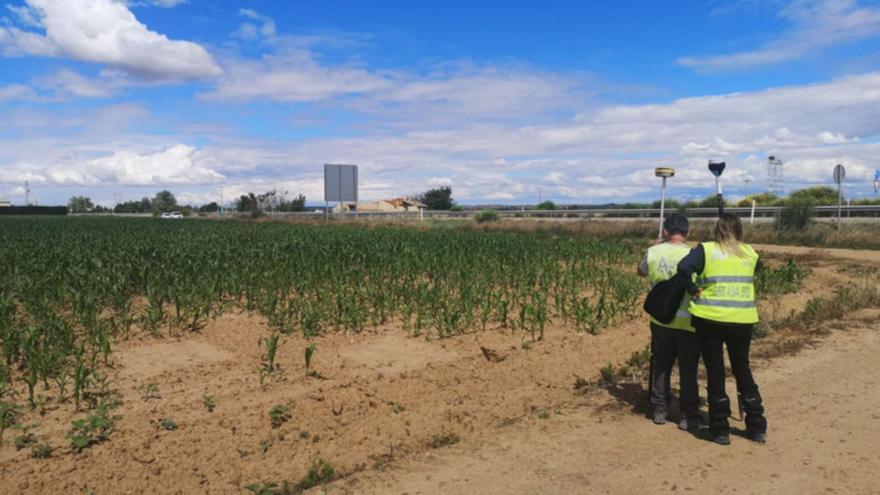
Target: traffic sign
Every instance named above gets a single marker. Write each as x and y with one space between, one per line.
839 173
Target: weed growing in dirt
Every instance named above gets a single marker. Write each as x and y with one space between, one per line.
319 472
209 403
94 429
786 279
607 373
844 301
444 440
268 488
581 384
149 391
167 424
25 440
279 415
42 451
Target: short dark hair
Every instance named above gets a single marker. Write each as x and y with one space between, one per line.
676 224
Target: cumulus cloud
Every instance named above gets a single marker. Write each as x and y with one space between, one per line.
598 156
816 25
175 165
292 76
105 32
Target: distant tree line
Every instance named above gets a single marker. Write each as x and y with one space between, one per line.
165 201
269 201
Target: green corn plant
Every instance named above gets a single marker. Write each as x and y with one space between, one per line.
268 366
309 353
8 417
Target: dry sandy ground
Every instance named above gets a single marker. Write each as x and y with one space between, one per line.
384 397
824 431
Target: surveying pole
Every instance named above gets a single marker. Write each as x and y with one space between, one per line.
839 175
664 173
717 168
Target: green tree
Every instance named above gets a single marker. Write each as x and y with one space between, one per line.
439 198
761 199
164 201
710 201
80 204
145 205
671 204
546 205
211 207
247 202
296 204
820 195
797 213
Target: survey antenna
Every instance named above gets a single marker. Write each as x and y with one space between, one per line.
664 173
717 168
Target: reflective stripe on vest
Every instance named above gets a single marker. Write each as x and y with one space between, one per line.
728 286
662 265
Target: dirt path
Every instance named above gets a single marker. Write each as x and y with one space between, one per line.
824 431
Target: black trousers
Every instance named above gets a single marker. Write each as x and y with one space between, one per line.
667 345
712 337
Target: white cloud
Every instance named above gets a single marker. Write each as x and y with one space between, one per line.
106 32
175 165
816 25
261 27
67 83
599 156
17 92
293 76
165 4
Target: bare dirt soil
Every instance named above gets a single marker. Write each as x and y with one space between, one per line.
381 399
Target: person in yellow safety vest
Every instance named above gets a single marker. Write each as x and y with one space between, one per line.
674 340
723 312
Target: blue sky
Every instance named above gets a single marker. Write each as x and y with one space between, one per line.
580 100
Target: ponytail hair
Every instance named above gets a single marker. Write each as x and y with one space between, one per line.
729 234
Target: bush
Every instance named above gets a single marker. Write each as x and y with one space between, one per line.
457 208
797 213
546 205
820 195
486 216
439 198
761 199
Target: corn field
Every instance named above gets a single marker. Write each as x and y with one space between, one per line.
70 288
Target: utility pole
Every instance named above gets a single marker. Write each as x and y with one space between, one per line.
27 193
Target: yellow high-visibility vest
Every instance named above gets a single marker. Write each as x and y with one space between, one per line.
728 286
662 265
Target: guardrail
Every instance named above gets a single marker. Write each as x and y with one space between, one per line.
760 211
